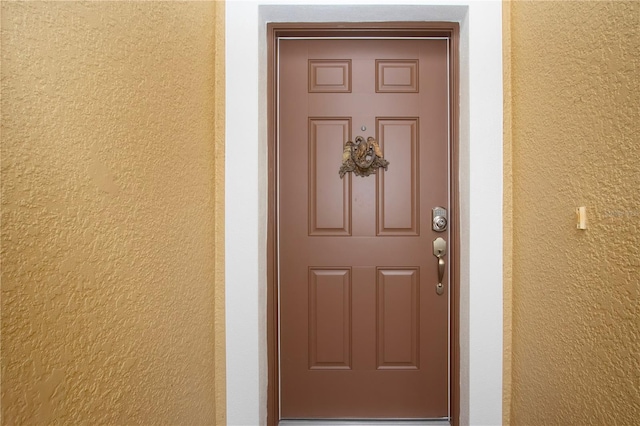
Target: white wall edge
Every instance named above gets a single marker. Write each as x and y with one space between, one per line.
480 191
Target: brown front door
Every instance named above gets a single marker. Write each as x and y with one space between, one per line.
363 333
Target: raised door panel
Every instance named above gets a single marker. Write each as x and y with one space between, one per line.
329 196
329 318
398 316
398 188
397 76
329 76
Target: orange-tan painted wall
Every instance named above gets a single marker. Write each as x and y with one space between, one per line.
574 109
112 213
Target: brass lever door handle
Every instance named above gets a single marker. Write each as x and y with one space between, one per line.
439 251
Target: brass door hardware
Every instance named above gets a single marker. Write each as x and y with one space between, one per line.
439 251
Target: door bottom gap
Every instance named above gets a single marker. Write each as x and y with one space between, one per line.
367 422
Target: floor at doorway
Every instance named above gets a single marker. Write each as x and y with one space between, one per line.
434 422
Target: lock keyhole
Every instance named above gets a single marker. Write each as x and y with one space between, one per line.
440 223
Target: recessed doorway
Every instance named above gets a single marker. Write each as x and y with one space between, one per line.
362 314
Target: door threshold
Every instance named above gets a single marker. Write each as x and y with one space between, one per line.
371 422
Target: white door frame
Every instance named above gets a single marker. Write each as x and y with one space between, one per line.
480 192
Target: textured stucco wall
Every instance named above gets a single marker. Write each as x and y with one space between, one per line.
111 168
575 70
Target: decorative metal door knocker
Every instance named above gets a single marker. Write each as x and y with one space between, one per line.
362 157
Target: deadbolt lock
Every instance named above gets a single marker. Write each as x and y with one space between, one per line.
439 215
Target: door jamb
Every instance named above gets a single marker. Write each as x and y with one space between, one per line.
395 29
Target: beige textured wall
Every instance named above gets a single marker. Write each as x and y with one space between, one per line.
111 167
507 217
574 77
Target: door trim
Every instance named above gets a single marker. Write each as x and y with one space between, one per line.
275 31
